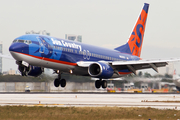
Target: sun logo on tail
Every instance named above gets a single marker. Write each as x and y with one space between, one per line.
136 38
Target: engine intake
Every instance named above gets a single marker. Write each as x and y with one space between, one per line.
34 71
30 70
100 70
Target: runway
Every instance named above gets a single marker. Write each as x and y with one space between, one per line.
93 100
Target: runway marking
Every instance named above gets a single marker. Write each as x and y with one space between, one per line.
45 97
171 96
42 105
161 101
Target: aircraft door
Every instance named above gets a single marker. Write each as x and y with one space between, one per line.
41 46
88 55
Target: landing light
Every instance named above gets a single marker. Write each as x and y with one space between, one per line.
71 71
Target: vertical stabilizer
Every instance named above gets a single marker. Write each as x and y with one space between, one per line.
134 44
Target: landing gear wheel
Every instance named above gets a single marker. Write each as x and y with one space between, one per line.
23 70
63 82
23 74
59 82
56 82
104 84
98 84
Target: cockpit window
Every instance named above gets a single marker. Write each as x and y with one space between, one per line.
22 41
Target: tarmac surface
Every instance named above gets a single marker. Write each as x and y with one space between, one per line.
160 101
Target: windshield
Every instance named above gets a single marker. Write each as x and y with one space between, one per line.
22 41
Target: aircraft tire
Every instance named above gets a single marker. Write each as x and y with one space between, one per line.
56 82
104 84
22 69
98 84
178 88
63 82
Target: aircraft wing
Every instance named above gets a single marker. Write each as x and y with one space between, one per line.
143 64
84 63
6 56
134 65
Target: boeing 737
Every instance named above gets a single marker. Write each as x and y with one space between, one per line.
34 52
176 80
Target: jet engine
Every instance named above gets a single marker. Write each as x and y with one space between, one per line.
178 88
30 70
100 70
35 71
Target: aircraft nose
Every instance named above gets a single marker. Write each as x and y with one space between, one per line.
14 47
19 47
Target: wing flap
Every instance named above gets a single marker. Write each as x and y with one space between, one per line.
142 64
155 61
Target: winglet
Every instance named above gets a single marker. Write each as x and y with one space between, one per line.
134 44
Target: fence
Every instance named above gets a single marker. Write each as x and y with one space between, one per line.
44 86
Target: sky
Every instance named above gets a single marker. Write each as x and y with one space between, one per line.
105 23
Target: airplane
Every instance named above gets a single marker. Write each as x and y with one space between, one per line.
176 80
34 52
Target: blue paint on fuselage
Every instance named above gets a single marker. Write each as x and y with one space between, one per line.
68 51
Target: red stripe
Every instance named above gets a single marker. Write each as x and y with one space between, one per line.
125 73
50 60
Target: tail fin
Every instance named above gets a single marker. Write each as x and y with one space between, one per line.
134 44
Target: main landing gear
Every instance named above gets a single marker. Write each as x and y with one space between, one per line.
58 81
100 83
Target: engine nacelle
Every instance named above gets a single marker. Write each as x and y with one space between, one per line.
178 88
34 71
100 70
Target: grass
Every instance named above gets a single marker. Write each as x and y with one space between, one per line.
85 113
